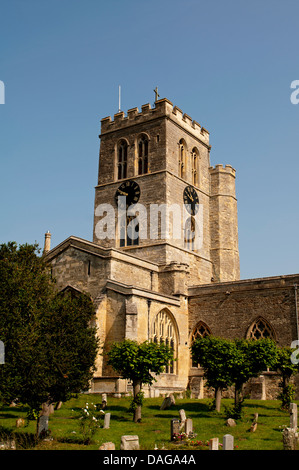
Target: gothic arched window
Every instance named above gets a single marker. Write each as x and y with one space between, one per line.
164 332
260 328
190 233
142 155
182 158
122 156
194 162
200 331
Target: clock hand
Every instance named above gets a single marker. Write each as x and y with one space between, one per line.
189 194
121 192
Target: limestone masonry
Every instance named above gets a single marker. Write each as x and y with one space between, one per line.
171 286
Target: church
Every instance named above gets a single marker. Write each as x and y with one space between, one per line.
163 264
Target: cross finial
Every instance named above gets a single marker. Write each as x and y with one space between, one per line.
156 94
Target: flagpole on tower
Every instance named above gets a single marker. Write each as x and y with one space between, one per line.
119 99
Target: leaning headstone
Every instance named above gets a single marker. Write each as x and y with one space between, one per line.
104 400
107 420
129 443
174 428
107 446
228 442
182 418
293 416
230 422
253 427
167 402
214 444
188 426
289 439
43 424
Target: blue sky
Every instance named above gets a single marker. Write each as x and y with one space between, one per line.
227 64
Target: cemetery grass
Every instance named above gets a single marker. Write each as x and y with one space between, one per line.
154 428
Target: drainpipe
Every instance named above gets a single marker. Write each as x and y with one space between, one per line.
148 318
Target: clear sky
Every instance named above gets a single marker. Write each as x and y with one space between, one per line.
227 64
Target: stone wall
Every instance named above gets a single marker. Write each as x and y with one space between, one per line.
229 309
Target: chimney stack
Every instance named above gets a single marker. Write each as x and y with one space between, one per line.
47 245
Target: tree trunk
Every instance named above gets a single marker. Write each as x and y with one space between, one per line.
137 410
218 392
238 394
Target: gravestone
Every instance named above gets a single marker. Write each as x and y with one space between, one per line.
228 442
104 400
107 446
129 443
43 424
167 402
174 427
107 420
188 426
289 439
293 416
230 422
254 423
182 418
214 444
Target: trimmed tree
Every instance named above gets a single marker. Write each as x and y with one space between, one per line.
216 356
233 362
139 362
254 357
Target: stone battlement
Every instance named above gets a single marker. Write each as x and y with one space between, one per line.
222 169
163 107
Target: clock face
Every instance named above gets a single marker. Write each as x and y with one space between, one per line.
130 190
191 200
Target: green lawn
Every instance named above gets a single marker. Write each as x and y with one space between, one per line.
155 426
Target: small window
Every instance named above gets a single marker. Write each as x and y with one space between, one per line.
194 162
182 158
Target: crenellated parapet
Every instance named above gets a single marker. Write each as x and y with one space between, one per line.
228 169
163 108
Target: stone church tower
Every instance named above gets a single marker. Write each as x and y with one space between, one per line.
163 264
166 157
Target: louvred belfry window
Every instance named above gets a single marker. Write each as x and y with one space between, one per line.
122 157
142 155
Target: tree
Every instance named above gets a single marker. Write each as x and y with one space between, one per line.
216 356
50 348
233 362
254 357
138 362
